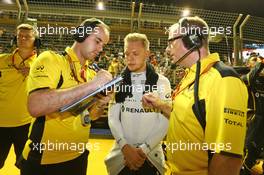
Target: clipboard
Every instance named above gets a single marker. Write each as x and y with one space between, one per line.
80 105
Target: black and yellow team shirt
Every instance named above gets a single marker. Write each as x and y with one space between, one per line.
54 138
13 95
225 102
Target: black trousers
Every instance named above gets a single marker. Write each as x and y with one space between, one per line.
146 169
254 141
12 135
77 166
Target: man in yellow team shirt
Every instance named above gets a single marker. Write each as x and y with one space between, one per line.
208 120
14 69
57 143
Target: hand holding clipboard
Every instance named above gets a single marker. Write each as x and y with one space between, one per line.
80 105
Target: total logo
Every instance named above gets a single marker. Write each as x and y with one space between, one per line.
232 122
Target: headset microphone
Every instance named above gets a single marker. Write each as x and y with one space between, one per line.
186 54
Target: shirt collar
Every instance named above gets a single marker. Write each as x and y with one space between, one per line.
210 59
73 56
15 51
205 65
17 56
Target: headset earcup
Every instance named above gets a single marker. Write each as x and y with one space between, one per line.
197 39
192 40
13 41
37 43
193 37
188 44
77 36
81 31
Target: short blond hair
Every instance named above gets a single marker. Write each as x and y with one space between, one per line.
28 27
137 37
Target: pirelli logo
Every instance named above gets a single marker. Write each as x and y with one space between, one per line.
234 112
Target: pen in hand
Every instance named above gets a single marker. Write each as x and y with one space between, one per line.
96 67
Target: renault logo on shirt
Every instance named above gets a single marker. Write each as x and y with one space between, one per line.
139 110
40 68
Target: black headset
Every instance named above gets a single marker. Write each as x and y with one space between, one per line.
193 37
37 42
81 32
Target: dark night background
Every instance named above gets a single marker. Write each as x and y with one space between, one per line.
251 7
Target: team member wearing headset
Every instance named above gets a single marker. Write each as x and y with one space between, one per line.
14 68
57 141
208 118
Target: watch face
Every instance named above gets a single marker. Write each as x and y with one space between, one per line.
87 119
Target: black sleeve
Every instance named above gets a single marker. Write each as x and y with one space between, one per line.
252 75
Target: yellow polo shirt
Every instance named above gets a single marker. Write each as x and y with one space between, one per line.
225 103
13 95
54 140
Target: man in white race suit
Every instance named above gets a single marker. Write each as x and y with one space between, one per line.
138 131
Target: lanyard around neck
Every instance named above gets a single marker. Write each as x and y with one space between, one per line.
22 62
73 71
180 89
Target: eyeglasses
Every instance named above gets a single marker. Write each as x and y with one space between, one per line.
173 39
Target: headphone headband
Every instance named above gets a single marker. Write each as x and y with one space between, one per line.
81 31
193 36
